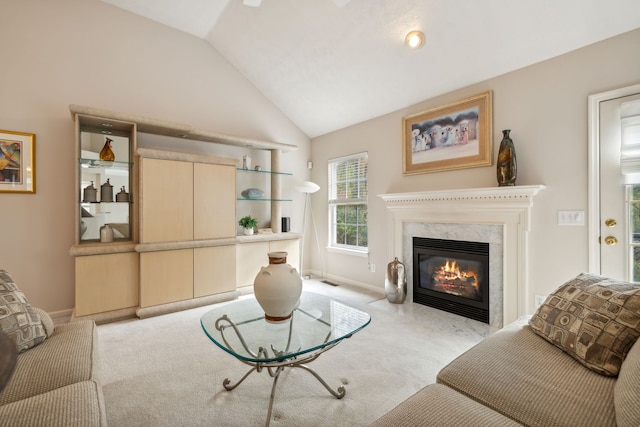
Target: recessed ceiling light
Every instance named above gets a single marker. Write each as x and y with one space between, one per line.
415 39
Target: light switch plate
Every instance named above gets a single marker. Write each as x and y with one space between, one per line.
570 217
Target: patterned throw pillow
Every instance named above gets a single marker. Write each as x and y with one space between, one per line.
17 318
594 319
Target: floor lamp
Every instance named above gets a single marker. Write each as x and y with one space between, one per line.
307 187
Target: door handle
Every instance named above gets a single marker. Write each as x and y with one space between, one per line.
610 222
610 240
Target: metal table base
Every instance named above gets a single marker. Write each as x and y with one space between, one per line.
275 368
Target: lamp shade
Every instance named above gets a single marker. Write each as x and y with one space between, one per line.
308 187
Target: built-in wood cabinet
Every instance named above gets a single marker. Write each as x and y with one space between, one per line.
106 270
106 282
175 235
188 211
251 256
214 208
166 276
254 255
214 270
166 211
178 275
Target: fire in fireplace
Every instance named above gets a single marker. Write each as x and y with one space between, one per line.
452 275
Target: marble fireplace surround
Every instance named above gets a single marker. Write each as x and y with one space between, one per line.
451 213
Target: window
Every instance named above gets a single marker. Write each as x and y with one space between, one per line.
348 191
630 168
633 200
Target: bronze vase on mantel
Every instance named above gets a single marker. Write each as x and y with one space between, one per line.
507 168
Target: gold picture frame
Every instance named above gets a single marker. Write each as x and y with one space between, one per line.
17 162
455 136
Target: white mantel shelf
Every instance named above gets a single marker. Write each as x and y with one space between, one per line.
506 206
507 194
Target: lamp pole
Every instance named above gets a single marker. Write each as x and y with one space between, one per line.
307 188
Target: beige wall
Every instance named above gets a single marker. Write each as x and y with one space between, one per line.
545 106
87 52
62 52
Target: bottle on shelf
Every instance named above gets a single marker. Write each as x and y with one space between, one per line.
106 154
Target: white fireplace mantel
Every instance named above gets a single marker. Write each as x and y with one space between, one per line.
506 206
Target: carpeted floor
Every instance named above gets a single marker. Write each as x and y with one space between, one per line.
164 371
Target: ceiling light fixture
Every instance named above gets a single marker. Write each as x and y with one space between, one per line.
415 39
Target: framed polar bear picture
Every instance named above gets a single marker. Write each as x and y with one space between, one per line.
455 136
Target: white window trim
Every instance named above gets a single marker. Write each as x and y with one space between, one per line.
353 252
364 251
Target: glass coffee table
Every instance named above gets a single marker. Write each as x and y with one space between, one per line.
318 324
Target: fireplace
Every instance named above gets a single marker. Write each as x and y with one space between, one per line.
452 275
500 216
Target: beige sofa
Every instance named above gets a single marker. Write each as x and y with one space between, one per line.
575 362
515 377
56 382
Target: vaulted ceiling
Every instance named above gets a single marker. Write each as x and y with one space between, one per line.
328 64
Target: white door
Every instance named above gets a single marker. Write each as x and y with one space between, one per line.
619 216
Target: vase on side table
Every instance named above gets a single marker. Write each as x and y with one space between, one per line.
277 288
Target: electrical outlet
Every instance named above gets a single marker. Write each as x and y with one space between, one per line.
372 267
540 300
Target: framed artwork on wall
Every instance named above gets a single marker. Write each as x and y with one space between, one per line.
17 162
454 136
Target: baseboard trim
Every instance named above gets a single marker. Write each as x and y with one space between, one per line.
341 280
62 316
108 316
156 310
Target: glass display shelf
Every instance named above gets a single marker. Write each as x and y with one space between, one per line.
83 202
101 164
264 171
263 200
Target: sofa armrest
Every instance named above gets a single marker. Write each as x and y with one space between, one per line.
79 404
437 405
68 356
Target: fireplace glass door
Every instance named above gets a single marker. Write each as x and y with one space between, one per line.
452 275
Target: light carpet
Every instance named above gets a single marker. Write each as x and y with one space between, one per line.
164 371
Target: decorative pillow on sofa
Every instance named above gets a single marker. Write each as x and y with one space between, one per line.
594 319
17 318
47 321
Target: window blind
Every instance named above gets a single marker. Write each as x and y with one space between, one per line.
348 179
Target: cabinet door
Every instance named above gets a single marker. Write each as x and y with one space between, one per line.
250 257
166 276
291 247
214 210
214 270
166 188
106 282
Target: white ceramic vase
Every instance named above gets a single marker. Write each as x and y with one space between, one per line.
277 288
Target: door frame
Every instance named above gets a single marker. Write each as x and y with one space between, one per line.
594 169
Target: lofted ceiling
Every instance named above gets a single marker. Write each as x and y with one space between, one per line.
328 64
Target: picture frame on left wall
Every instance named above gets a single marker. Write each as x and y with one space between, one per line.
17 162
